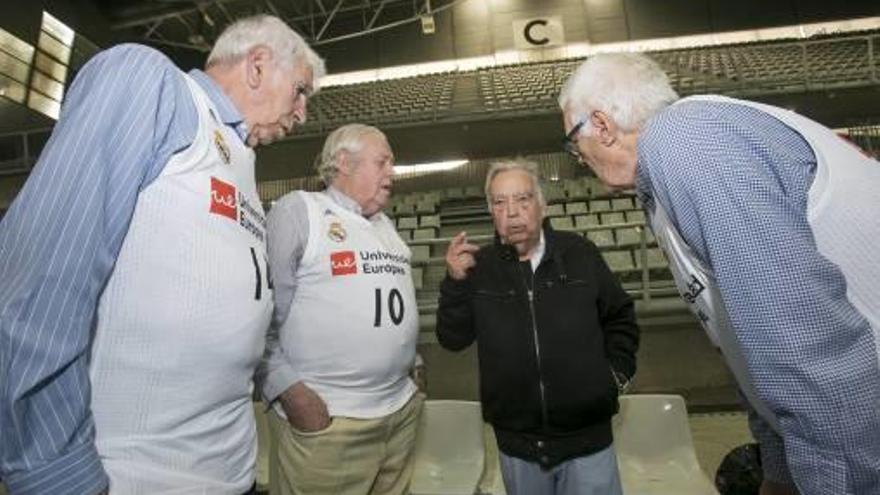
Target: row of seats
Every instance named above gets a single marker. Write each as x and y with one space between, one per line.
536 85
825 61
394 99
456 452
595 197
617 229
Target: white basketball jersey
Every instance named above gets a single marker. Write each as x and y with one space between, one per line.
181 325
352 328
842 213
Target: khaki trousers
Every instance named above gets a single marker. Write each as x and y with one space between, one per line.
349 457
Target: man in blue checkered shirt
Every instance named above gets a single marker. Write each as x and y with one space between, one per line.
769 221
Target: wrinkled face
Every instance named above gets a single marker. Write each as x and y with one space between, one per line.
281 100
516 211
608 161
366 176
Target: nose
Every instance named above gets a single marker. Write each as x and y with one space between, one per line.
300 109
512 209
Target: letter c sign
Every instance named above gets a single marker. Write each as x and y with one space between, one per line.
530 37
538 33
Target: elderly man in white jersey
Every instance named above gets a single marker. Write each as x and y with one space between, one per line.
769 221
134 272
343 334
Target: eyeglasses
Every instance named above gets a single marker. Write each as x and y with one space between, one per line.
520 200
569 142
302 89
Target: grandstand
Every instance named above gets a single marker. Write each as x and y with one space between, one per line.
745 69
482 112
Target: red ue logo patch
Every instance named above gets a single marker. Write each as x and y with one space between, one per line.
343 263
223 198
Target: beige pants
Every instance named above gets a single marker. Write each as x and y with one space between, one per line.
349 457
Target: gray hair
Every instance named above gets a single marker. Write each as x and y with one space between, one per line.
628 87
521 164
346 138
245 34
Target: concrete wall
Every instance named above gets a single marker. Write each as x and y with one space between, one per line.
671 359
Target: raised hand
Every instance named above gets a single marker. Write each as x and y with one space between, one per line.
460 256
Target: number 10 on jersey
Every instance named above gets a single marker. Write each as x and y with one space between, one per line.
395 307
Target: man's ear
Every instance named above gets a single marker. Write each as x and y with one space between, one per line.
604 128
256 62
344 163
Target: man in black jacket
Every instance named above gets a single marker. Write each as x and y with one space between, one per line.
556 337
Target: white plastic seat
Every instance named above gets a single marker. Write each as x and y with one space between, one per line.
449 449
655 452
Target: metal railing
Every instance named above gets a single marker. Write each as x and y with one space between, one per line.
643 292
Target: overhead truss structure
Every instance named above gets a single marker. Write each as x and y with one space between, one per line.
195 24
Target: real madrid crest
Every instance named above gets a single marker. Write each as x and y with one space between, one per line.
336 232
222 148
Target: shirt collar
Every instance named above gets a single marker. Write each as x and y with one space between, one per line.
538 253
643 186
343 200
229 114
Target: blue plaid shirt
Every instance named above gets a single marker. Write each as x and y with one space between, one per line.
128 111
735 182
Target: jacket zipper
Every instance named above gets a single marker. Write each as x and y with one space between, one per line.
541 389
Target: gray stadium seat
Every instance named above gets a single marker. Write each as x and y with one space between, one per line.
426 233
556 210
473 192
628 237
618 204
562 223
417 276
601 238
635 216
581 221
619 261
404 209
598 205
426 206
610 218
575 208
454 193
407 223
429 221
656 259
553 192
577 191
420 253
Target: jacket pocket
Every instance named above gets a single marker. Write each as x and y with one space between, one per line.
496 295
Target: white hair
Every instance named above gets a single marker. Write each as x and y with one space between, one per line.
521 164
628 87
245 34
349 138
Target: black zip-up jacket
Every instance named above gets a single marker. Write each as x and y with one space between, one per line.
546 359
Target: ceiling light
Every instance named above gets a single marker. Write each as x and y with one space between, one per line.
428 167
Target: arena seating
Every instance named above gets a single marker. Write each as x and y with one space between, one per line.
449 449
655 451
737 69
615 223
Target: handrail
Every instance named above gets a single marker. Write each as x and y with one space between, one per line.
644 270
